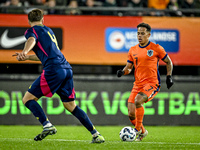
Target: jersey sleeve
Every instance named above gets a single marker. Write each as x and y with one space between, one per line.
130 58
30 33
161 52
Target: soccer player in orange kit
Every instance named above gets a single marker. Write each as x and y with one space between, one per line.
144 57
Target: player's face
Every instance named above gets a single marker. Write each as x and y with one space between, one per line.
143 36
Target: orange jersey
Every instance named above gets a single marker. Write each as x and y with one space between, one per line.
146 62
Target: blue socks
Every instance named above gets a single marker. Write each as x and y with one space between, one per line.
37 111
84 119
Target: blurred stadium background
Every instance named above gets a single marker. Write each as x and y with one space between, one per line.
95 40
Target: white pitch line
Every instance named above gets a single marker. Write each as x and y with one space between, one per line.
64 140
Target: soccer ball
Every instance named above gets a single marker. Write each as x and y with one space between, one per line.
127 134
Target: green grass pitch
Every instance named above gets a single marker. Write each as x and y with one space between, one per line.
78 138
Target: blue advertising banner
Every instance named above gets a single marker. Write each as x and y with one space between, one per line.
122 39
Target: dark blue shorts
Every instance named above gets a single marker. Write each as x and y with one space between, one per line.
58 81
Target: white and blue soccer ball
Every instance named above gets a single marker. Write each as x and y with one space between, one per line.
127 134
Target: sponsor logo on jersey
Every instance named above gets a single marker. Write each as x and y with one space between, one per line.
122 39
13 37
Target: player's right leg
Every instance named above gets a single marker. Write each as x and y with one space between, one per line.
140 99
30 101
132 111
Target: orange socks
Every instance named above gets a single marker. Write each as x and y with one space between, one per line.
139 112
134 123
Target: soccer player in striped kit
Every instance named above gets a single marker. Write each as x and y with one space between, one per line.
144 57
57 76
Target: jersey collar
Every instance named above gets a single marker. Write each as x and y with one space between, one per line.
39 25
145 45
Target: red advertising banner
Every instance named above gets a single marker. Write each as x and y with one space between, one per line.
105 40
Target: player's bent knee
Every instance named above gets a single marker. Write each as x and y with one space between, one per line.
70 106
140 100
28 96
138 103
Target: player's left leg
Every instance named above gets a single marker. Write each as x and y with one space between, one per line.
146 94
84 119
67 95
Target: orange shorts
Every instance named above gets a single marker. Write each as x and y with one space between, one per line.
150 89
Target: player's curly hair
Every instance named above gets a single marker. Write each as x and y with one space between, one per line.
145 25
35 15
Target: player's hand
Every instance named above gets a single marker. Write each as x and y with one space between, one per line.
20 56
120 73
169 81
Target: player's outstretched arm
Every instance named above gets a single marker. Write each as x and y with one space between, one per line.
27 57
127 69
30 43
169 67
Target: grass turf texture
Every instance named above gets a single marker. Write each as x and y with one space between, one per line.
78 138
